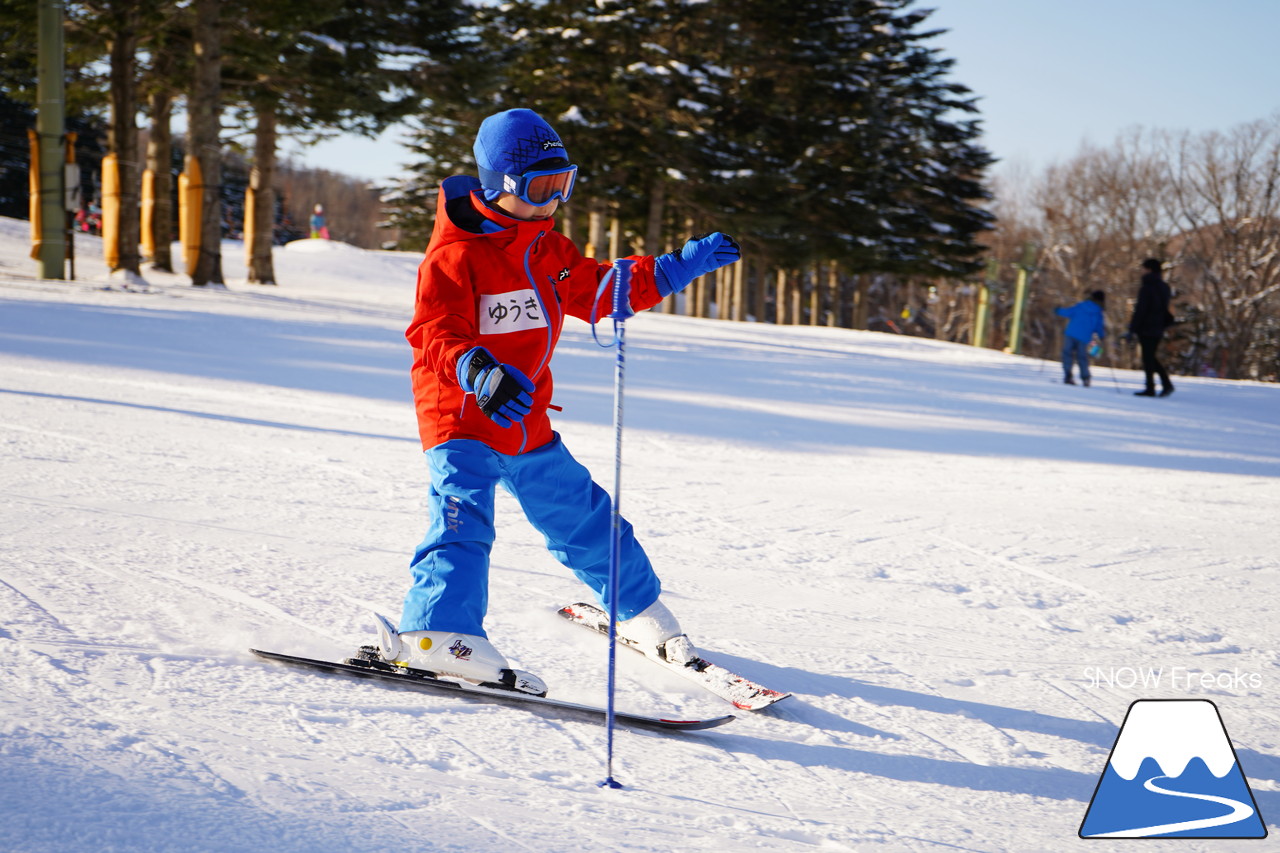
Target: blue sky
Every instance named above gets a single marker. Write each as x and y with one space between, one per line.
1051 74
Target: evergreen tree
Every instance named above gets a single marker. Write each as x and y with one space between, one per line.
838 120
18 80
817 131
122 22
315 67
18 73
456 97
96 30
613 77
169 47
204 113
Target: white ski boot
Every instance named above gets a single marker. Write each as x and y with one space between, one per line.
445 654
656 632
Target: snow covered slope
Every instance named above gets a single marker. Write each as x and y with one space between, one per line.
964 571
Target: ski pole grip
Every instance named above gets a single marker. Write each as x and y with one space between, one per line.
622 288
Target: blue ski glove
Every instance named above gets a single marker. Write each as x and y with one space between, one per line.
701 255
502 392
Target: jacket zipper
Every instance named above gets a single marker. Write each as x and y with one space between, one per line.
542 304
528 272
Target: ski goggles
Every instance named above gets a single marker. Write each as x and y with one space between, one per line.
538 188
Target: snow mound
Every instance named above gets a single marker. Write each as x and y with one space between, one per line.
319 245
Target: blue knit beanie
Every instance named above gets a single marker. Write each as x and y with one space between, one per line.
509 142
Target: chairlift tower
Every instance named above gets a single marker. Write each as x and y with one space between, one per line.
50 126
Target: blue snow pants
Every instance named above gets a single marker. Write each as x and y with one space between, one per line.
450 569
1077 351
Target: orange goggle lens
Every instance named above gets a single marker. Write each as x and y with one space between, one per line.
539 188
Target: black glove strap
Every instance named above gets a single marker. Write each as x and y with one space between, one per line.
480 361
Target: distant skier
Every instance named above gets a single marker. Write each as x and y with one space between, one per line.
493 292
1086 321
1151 316
318 228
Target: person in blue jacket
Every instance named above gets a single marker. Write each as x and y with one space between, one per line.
1085 320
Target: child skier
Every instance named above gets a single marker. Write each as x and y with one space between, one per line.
318 228
493 292
1086 319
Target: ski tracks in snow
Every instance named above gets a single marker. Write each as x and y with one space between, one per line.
929 574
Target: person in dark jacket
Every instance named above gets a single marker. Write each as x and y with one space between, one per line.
1150 318
1086 321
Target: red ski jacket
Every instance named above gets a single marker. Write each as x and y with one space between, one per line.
504 284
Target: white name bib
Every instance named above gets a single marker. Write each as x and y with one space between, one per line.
516 311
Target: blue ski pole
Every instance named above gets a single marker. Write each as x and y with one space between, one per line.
621 311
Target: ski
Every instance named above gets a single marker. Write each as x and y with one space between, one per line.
742 693
367 665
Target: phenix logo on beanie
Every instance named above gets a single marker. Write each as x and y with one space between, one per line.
510 142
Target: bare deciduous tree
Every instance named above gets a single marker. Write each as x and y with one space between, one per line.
1226 196
1208 204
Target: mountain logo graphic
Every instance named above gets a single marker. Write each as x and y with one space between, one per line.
1173 773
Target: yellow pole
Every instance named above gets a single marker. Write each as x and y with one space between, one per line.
33 186
248 226
190 201
183 236
984 311
111 210
1020 297
148 208
982 319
